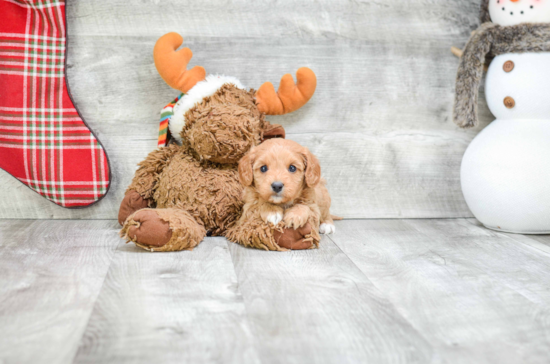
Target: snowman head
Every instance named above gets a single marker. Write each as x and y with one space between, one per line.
513 12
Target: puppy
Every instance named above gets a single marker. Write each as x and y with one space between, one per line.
283 182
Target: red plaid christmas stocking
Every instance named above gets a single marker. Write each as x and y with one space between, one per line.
44 142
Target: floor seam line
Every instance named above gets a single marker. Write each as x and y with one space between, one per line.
95 302
489 272
420 334
254 337
511 236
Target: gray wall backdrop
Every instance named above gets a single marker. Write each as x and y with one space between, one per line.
380 121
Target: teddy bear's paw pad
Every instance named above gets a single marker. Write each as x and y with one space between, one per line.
148 229
327 228
131 203
294 239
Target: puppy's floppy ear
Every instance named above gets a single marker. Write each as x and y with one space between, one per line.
246 174
313 168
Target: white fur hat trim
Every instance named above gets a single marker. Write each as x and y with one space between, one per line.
202 89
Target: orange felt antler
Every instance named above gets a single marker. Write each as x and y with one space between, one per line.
172 64
290 96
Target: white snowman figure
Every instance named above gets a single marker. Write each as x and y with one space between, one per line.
505 172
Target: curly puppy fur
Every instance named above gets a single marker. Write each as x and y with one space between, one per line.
195 187
487 42
303 198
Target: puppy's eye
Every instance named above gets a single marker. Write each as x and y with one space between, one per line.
292 168
263 169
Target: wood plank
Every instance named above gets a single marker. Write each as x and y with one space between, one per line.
12 231
180 307
542 239
521 267
50 275
402 19
379 121
316 306
539 242
476 296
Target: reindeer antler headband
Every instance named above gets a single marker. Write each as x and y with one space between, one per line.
172 64
172 67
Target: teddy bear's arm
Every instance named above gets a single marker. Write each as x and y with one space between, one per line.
139 194
146 178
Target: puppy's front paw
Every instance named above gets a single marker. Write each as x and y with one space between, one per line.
327 228
295 219
274 217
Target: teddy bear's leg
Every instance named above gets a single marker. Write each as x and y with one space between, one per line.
255 233
297 239
163 230
139 194
131 203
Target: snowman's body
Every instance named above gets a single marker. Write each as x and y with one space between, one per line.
505 172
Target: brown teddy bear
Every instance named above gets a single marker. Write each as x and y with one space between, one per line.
190 188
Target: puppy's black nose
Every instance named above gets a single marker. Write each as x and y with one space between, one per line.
277 186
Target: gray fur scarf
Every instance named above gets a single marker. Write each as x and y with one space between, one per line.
487 42
484 12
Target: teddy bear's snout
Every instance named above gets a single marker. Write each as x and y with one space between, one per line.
224 133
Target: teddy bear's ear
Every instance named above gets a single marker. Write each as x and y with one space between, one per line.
274 131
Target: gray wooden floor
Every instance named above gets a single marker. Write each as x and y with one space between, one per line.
379 291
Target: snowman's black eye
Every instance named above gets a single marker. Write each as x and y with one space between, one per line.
263 169
292 168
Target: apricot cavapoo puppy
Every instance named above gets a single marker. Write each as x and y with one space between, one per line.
283 182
